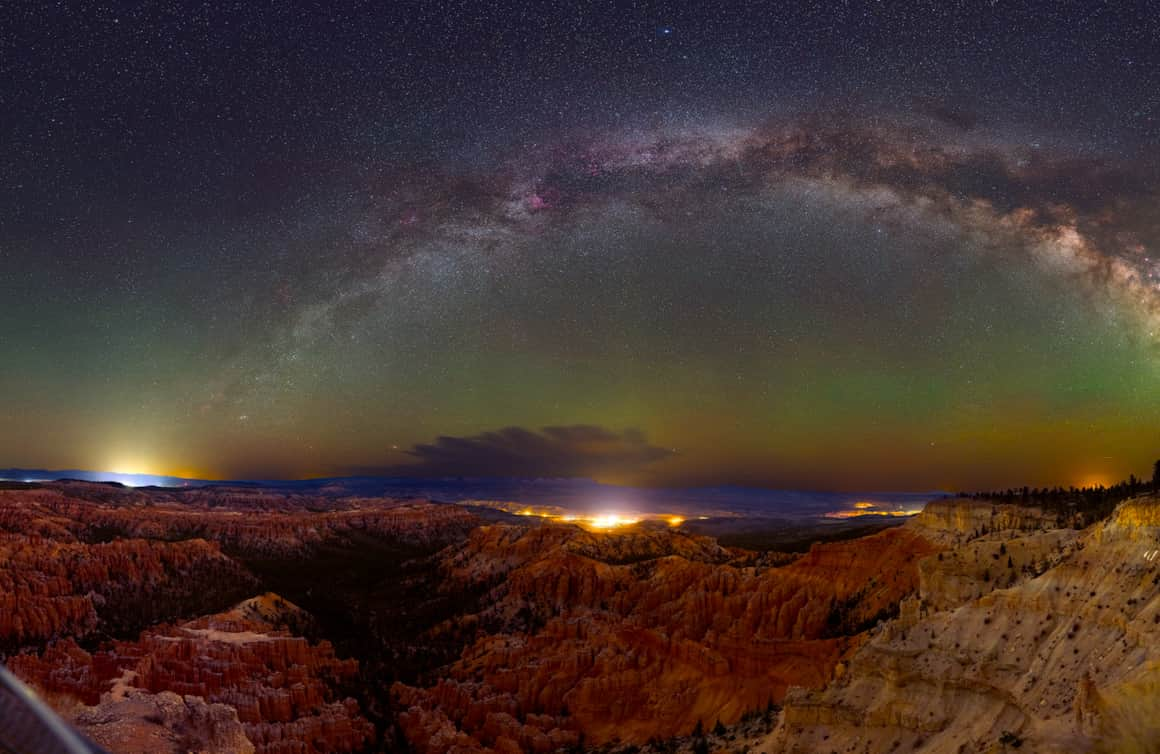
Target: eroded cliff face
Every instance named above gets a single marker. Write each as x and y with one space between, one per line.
1018 634
203 675
50 589
80 559
642 634
957 520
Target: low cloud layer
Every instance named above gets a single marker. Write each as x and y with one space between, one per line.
574 451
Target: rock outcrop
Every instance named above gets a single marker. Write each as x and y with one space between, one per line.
956 520
281 689
1017 636
137 722
50 589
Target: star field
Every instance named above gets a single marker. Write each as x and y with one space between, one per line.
789 245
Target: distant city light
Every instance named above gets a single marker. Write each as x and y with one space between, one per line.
602 521
611 521
866 508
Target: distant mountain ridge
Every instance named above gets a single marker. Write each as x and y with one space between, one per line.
582 494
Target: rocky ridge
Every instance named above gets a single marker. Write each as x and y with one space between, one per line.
241 522
241 665
50 588
1018 636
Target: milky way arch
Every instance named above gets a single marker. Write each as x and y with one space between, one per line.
1089 219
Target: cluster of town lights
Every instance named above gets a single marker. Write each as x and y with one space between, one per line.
871 509
604 520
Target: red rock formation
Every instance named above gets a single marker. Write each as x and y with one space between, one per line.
251 523
82 560
61 576
633 650
50 589
281 687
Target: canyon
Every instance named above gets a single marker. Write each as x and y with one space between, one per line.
251 619
627 637
141 616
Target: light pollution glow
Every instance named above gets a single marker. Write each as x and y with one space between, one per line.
864 508
601 521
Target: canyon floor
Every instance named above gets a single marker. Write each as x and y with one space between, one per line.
253 620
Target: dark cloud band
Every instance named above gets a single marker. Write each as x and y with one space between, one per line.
571 451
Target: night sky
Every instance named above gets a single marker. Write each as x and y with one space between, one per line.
834 246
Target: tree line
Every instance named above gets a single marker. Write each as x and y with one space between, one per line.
1093 502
